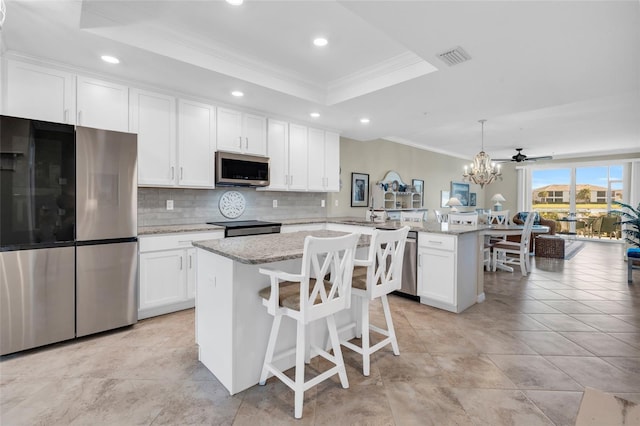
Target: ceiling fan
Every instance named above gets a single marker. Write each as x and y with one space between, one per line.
520 157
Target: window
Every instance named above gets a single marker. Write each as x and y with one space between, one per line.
584 192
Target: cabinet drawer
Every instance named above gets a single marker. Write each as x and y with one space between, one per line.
437 241
174 241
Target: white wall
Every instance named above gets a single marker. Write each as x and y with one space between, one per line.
377 157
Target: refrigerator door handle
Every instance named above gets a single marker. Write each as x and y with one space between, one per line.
181 263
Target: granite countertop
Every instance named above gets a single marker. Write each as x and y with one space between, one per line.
172 229
428 226
258 249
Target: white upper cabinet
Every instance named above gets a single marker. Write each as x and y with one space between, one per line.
324 161
298 151
39 93
241 132
196 130
102 104
316 160
278 152
332 161
175 145
153 118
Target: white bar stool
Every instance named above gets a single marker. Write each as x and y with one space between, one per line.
304 298
377 276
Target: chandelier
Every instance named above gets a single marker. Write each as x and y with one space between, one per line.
482 171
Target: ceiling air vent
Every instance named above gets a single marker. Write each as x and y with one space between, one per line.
454 56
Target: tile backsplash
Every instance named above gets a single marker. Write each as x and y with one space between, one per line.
201 205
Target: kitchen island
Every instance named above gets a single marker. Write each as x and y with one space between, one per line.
232 325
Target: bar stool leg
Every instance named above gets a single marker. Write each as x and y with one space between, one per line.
390 329
337 351
300 359
271 347
366 352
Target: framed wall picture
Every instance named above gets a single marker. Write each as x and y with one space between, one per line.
418 185
359 190
472 199
461 192
444 198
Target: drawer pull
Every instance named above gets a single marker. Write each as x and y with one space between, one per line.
435 242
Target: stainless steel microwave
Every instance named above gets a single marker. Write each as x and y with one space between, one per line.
241 170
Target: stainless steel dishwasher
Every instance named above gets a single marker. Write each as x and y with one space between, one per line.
410 266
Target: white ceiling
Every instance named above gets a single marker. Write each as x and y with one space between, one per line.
556 78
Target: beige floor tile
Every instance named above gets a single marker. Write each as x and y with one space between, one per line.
601 344
535 307
446 342
472 371
610 307
549 343
632 339
571 307
534 372
496 342
561 407
561 322
628 364
606 323
500 407
199 403
597 373
423 404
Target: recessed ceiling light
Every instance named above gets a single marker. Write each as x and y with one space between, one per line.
235 2
237 94
110 59
365 120
320 41
315 114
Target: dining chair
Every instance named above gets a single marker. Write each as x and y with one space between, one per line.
463 218
411 216
322 288
498 217
375 277
502 250
440 217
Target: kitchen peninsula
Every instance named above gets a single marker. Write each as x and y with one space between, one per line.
232 325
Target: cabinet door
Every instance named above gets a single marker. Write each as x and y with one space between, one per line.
278 151
436 275
191 272
298 149
195 144
229 130
332 161
254 134
102 105
316 160
39 93
162 278
153 118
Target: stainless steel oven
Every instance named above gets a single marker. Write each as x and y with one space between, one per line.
239 228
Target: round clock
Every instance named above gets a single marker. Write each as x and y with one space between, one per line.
232 204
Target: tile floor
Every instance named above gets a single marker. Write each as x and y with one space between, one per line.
523 357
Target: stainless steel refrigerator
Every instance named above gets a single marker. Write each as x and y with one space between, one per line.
68 232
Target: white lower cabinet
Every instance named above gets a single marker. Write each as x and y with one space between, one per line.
448 270
168 272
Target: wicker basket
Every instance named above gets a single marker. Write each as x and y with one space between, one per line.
548 246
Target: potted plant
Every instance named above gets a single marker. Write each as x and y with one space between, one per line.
630 217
